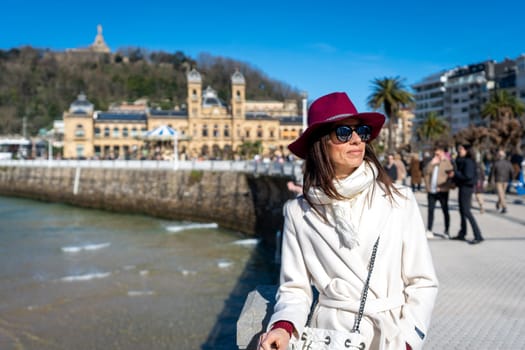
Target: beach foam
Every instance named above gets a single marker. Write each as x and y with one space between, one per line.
192 226
224 264
85 247
247 242
85 277
138 293
185 272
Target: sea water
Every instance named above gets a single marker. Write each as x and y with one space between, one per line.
73 278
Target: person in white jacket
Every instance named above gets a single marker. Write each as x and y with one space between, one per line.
329 233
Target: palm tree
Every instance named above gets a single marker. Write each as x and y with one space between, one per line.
389 94
504 110
432 128
502 105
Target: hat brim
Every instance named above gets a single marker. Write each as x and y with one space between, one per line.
300 146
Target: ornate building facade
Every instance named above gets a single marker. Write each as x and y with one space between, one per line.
208 128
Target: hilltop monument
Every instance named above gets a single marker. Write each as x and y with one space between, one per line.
100 44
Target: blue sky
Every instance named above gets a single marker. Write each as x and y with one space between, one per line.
314 46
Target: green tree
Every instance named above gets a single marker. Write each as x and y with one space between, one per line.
502 105
432 128
249 149
505 128
389 94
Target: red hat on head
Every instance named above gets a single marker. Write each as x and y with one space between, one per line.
330 109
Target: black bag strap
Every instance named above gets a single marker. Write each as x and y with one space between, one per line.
357 321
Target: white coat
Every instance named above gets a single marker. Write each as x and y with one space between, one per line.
403 286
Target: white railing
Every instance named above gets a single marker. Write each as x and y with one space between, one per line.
271 168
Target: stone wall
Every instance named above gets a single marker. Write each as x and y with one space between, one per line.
249 203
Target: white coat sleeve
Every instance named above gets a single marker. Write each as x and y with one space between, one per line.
419 276
294 295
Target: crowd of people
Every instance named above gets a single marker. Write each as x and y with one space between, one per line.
441 172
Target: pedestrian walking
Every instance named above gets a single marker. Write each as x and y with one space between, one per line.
414 169
516 159
401 169
501 174
465 179
351 223
479 188
438 184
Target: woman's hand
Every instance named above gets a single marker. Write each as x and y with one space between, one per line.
277 338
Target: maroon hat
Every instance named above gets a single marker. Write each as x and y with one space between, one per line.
329 109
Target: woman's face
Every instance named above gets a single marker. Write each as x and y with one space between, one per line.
347 156
462 151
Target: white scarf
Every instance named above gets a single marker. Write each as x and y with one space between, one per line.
345 215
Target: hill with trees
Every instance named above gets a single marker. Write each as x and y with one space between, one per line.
39 84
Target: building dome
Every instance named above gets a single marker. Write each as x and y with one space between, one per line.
194 76
81 105
211 99
238 78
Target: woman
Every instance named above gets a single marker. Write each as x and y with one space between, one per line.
415 173
329 232
465 179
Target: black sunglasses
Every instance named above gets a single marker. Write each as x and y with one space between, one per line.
343 133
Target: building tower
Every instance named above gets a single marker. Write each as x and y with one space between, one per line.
78 129
194 94
238 103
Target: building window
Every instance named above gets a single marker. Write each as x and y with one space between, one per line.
106 132
115 132
272 133
97 132
205 130
238 95
215 130
116 152
80 151
125 132
97 151
259 132
79 131
134 132
226 131
247 133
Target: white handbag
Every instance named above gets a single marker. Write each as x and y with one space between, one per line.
327 339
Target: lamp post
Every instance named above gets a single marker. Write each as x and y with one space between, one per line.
304 95
50 149
175 150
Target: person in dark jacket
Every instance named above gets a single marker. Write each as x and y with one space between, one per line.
391 168
465 179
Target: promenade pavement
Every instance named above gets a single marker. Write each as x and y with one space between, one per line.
481 299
